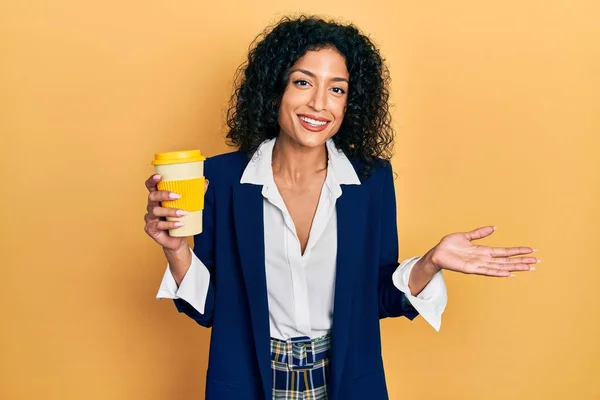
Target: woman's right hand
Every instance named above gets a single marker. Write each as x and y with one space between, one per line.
156 226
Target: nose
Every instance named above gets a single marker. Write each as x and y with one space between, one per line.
318 99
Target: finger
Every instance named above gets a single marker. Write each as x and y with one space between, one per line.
150 226
488 271
206 181
162 195
152 182
165 225
509 251
517 260
517 267
495 269
151 205
148 217
168 212
480 233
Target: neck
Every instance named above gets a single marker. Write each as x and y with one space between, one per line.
296 163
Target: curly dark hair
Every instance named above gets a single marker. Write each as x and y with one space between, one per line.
365 134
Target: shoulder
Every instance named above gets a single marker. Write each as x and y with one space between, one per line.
380 171
226 167
232 159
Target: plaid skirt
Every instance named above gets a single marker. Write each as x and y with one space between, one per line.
300 368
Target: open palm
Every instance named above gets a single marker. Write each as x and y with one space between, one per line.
456 252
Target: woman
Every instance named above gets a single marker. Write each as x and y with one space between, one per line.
298 259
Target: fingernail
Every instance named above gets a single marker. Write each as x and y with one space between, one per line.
174 196
512 275
532 268
156 177
534 250
181 212
494 227
539 261
178 224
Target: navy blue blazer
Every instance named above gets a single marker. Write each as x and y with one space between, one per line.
232 248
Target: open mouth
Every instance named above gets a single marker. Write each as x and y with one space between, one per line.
313 124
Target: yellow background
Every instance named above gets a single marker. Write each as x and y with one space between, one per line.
497 106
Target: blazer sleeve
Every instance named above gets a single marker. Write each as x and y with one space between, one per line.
392 302
204 249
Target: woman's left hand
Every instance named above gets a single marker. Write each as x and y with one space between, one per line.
456 252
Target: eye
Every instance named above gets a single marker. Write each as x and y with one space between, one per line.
301 82
338 90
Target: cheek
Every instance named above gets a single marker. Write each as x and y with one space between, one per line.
340 112
283 117
285 104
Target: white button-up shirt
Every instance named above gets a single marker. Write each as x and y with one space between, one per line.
301 286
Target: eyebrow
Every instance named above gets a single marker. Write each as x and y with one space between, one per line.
304 71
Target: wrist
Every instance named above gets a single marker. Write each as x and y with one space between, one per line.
429 261
177 252
179 260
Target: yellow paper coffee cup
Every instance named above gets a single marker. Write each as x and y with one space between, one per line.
183 173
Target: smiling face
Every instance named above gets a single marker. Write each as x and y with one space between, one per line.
314 101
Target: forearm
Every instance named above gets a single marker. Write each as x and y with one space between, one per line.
179 262
422 273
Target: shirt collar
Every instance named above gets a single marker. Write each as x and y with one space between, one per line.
259 170
341 166
339 169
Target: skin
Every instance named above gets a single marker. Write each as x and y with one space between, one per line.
318 86
176 249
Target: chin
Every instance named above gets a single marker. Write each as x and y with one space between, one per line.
312 140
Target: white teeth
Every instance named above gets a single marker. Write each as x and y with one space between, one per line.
313 122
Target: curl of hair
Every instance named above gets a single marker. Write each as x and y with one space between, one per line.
366 133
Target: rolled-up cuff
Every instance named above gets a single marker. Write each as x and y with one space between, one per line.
193 288
431 301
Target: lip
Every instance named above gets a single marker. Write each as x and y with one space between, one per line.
311 128
313 117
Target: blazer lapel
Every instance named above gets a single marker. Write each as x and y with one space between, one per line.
249 227
351 228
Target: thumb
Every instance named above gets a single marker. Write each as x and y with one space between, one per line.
480 233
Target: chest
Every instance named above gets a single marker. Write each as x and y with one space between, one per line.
283 249
301 204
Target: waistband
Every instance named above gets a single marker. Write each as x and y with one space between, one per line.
300 352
